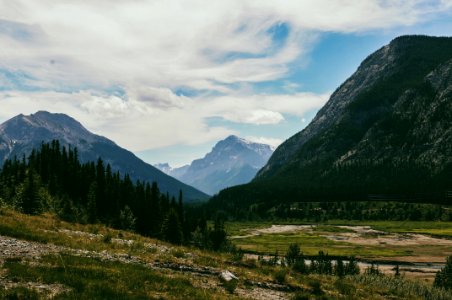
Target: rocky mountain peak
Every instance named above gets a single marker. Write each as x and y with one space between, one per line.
231 161
21 134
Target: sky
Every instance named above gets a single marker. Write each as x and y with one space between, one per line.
169 79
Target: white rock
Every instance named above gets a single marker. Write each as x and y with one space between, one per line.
227 276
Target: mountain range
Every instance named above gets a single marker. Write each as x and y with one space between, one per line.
21 134
385 133
232 161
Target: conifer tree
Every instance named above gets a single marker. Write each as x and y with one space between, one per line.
443 277
171 228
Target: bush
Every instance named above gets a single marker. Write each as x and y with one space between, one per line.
316 287
293 254
345 288
443 277
373 270
351 268
107 238
230 285
280 276
301 296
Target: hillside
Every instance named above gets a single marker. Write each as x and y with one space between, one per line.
21 134
232 161
46 258
385 133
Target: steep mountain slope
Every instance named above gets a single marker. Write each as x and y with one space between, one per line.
232 161
19 135
386 132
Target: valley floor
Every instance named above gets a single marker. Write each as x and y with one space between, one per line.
42 257
419 248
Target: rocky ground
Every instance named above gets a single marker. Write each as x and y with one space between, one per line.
201 276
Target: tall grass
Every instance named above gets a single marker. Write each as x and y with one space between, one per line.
403 288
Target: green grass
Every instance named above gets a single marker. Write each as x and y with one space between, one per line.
24 227
242 228
19 293
426 227
90 278
436 228
311 244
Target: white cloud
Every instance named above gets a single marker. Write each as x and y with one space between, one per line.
140 125
148 49
177 43
261 108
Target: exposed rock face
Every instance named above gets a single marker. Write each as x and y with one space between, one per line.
232 161
386 130
21 134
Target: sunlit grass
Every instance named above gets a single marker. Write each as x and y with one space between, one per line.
90 278
98 278
311 244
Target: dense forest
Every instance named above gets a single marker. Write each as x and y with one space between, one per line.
383 135
52 179
377 207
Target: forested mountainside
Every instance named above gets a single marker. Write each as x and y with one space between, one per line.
21 134
385 133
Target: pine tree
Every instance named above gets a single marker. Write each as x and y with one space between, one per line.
30 194
293 254
339 269
443 277
218 236
171 228
92 203
127 219
352 267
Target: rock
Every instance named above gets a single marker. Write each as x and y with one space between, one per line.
227 276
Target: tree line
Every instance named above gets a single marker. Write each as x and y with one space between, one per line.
52 179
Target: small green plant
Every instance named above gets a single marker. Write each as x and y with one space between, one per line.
396 271
230 286
107 238
373 270
316 287
237 254
301 295
280 276
344 287
18 293
178 253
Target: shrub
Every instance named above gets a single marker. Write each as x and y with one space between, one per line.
345 288
280 276
107 238
443 277
293 254
316 287
230 285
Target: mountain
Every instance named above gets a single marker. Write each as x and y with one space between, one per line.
21 134
385 133
232 161
173 172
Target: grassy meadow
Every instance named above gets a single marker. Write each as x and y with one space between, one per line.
53 259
